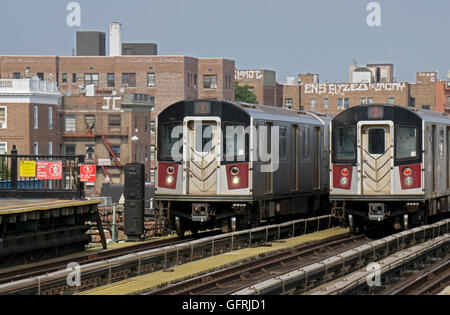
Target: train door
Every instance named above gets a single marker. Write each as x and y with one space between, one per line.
269 175
294 158
317 157
202 156
375 159
433 157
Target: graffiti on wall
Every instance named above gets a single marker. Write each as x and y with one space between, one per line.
248 74
342 88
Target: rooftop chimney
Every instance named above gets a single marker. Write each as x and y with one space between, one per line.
115 39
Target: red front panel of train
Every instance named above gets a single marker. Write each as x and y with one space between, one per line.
411 176
237 176
167 175
342 176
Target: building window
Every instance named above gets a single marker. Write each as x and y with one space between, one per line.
40 75
343 103
412 102
64 78
16 75
146 124
391 100
50 117
50 148
152 177
74 78
3 117
91 78
312 103
89 123
151 80
114 121
3 147
129 79
116 150
69 124
90 152
426 107
288 102
325 103
36 148
447 106
195 81
210 82
71 149
36 117
111 80
366 100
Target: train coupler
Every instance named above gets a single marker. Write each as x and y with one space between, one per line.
377 211
201 212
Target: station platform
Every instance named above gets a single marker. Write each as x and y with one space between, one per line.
33 230
446 291
204 266
18 206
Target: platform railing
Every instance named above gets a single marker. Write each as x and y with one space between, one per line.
40 176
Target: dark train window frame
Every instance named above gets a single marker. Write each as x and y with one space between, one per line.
418 154
335 143
161 152
283 143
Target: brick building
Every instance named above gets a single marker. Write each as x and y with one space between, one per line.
423 92
262 83
29 116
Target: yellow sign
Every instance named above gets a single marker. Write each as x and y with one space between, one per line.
27 168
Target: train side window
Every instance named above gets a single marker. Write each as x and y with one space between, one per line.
283 132
234 147
306 142
170 136
377 141
406 142
345 143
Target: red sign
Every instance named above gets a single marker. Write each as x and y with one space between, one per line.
88 173
49 170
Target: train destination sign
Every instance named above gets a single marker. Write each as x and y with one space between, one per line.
49 170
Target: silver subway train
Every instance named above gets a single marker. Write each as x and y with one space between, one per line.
389 164
232 165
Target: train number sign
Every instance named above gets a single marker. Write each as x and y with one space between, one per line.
88 173
49 170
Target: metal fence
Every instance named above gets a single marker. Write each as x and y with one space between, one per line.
40 176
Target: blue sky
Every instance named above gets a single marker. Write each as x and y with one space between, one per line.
289 36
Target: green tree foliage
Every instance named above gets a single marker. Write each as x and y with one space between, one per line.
243 94
5 173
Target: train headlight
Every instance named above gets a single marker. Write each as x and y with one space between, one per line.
169 180
409 181
345 172
170 170
344 181
234 170
407 171
235 181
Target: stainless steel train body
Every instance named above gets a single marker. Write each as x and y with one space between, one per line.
389 163
224 181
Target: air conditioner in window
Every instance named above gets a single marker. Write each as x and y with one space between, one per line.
213 86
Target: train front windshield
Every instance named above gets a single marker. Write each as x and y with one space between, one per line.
345 143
